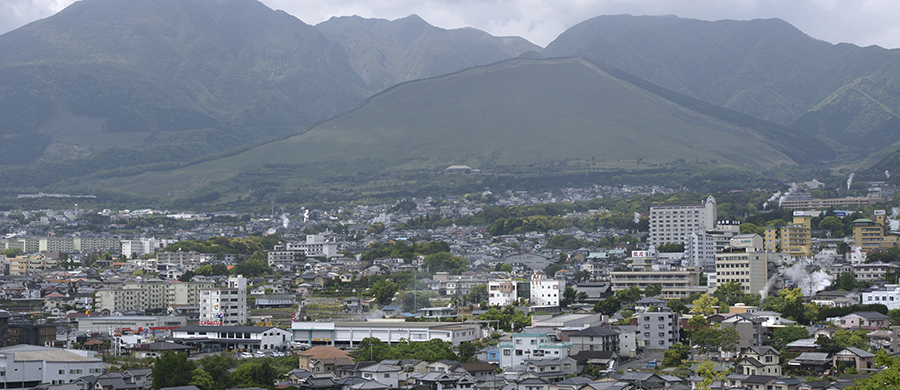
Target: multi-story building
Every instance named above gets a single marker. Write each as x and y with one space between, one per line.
27 366
546 292
676 282
746 266
249 338
225 306
30 264
134 295
502 292
595 338
316 245
659 330
799 202
671 223
873 271
351 333
531 346
888 295
794 239
873 234
137 248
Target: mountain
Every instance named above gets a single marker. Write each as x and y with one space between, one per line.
841 93
518 112
385 53
108 73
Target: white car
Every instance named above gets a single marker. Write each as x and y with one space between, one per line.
259 354
246 355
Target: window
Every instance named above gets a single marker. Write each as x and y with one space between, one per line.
506 352
387 375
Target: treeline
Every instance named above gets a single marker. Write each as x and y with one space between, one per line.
404 250
227 245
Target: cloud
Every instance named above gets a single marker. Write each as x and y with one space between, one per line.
862 22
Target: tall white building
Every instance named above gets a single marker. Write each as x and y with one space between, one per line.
546 292
502 292
672 223
225 306
137 248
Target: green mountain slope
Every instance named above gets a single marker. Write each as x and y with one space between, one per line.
129 72
513 113
385 53
764 68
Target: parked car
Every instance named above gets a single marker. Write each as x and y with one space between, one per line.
260 354
246 355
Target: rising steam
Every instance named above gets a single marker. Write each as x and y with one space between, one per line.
809 283
850 180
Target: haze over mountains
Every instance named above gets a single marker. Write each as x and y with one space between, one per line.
109 89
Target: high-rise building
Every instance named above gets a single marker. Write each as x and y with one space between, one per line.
794 239
136 295
225 306
672 223
748 266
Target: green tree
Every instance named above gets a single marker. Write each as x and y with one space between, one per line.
781 337
887 377
729 293
608 306
582 297
477 293
218 366
172 370
697 321
749 228
673 356
833 225
705 338
704 305
677 306
384 291
203 380
707 371
671 247
729 338
467 351
568 297
254 374
186 277
653 290
506 267
444 262
251 268
631 294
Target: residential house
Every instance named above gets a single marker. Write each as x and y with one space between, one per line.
811 361
324 359
863 320
864 361
386 374
758 361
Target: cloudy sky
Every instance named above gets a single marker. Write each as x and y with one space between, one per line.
863 22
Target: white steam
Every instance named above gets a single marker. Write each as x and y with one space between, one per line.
637 217
809 283
768 287
285 221
887 174
850 180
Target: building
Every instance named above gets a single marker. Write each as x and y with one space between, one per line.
872 235
672 223
873 271
351 333
137 248
676 282
136 295
595 338
225 306
546 292
794 239
659 330
531 260
751 328
316 245
807 202
137 324
888 295
744 266
30 264
763 360
523 347
863 320
224 338
324 359
502 292
27 366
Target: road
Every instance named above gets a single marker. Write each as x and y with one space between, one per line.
640 362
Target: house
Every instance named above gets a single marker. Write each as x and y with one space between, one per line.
602 360
443 381
552 370
324 359
758 361
533 384
811 361
386 374
749 327
864 361
480 371
595 338
863 320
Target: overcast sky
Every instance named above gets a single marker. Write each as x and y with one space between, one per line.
863 22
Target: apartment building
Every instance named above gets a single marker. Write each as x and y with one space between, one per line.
659 330
502 292
546 292
676 282
225 306
794 239
136 295
672 223
745 266
30 264
142 246
523 347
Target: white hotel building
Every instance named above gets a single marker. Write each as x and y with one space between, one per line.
27 366
225 306
672 223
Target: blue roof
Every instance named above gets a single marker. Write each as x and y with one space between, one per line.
391 308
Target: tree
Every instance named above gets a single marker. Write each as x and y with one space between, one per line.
631 294
729 338
444 262
707 371
677 305
467 351
675 355
477 293
568 296
506 267
833 225
788 334
13 252
652 290
186 277
203 380
581 297
172 370
608 306
888 377
671 247
729 293
254 374
251 268
384 291
704 305
218 366
698 321
705 338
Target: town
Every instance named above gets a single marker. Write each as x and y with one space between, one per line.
571 289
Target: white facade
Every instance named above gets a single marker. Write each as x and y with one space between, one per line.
889 295
389 331
251 338
225 306
315 246
530 346
26 366
137 248
671 223
546 292
502 292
